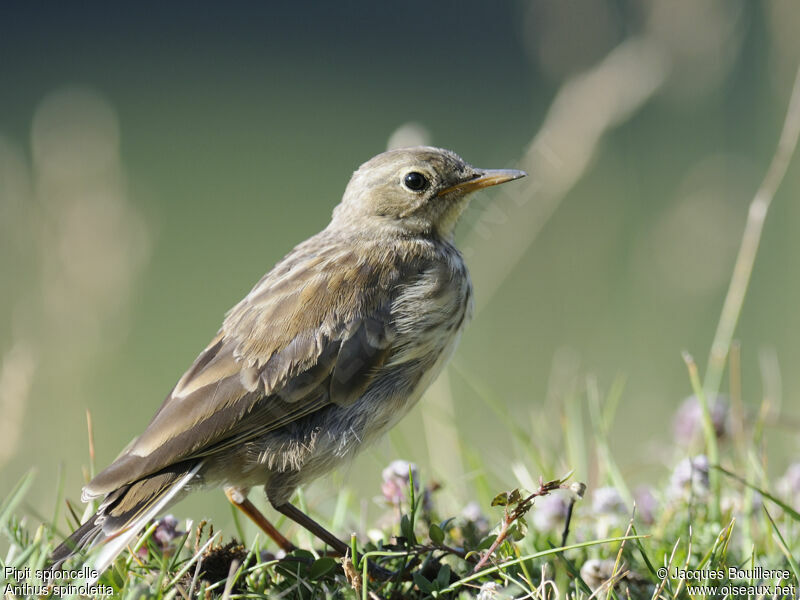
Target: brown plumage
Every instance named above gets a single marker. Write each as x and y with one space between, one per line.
330 349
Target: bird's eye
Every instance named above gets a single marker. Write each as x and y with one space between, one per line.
416 182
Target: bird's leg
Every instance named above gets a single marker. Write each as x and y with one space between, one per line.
302 519
238 498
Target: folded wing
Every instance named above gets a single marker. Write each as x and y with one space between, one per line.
313 331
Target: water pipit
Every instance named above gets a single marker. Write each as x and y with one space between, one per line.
326 353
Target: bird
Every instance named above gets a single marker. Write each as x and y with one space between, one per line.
329 350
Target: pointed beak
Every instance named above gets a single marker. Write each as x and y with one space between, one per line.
484 178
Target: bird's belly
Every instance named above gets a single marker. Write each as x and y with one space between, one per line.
430 319
337 434
390 409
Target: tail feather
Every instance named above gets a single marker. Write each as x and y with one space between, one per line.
123 514
83 537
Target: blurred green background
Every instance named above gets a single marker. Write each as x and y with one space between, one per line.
157 158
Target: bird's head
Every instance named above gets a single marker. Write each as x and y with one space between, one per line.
420 190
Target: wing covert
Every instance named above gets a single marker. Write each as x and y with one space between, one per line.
309 352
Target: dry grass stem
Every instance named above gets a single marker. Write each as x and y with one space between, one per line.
732 307
586 108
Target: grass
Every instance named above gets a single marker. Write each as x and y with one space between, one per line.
611 550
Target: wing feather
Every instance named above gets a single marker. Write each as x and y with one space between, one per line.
313 331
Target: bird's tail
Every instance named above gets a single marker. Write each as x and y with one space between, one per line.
123 513
83 537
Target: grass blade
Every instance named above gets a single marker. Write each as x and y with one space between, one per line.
784 547
786 508
15 497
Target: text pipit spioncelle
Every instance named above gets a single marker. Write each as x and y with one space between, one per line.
326 353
